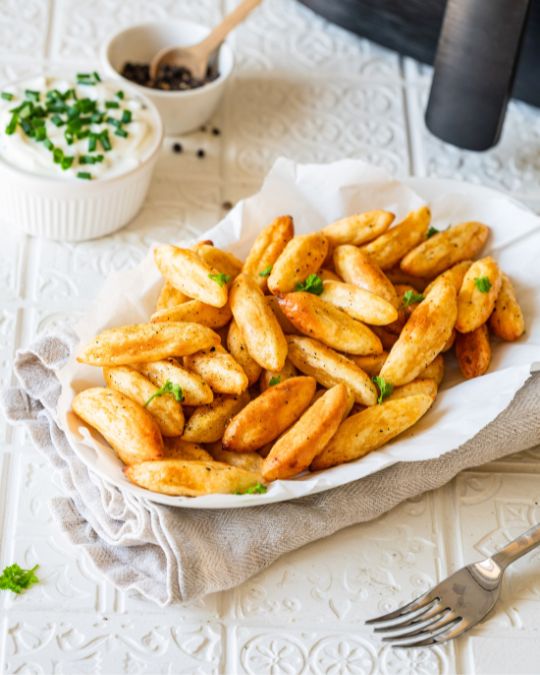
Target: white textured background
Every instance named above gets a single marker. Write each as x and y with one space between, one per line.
314 93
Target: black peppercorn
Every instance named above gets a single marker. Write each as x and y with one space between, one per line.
201 153
177 147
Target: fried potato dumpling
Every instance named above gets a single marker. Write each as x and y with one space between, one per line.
195 390
260 329
424 335
268 415
195 311
506 320
295 450
178 448
303 255
166 410
266 249
239 351
207 422
129 429
170 297
277 376
125 345
191 478
473 352
328 324
388 249
188 272
371 428
359 228
478 294
222 261
250 461
444 249
355 267
330 368
359 303
219 370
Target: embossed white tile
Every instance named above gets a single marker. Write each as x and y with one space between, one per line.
312 121
494 656
360 572
23 28
80 27
492 509
283 36
257 650
73 644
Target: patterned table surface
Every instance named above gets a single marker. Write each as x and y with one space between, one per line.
312 92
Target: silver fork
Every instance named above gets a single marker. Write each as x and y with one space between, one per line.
456 604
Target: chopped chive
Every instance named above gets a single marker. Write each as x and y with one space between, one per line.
119 94
97 78
48 144
32 95
85 175
68 135
126 117
96 118
66 162
121 132
6 96
90 159
28 128
112 104
92 142
41 134
57 120
88 78
82 133
10 129
25 110
114 122
105 140
58 155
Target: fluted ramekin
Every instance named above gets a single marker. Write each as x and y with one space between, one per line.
75 210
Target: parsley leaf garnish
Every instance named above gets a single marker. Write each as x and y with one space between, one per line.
220 279
257 489
432 230
17 579
483 284
275 379
266 271
384 387
313 284
411 297
167 388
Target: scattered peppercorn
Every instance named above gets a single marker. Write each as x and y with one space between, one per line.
177 147
227 206
216 131
203 128
201 153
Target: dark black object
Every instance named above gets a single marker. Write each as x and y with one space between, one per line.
412 27
169 78
475 68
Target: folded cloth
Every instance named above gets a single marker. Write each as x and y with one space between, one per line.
171 554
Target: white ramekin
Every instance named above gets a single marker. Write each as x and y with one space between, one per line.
75 210
181 111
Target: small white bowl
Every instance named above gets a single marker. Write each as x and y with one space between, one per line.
76 210
181 111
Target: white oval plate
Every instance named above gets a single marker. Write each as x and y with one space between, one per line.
316 195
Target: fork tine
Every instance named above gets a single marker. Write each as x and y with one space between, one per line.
442 636
419 602
411 619
427 630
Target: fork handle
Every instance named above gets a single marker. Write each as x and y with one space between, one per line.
518 547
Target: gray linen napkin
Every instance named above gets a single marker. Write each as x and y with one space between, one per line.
171 554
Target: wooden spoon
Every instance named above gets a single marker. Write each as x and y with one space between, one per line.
196 57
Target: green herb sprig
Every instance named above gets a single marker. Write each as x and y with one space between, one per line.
411 298
221 279
432 231
483 284
275 379
266 271
15 578
167 388
385 388
312 284
257 489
